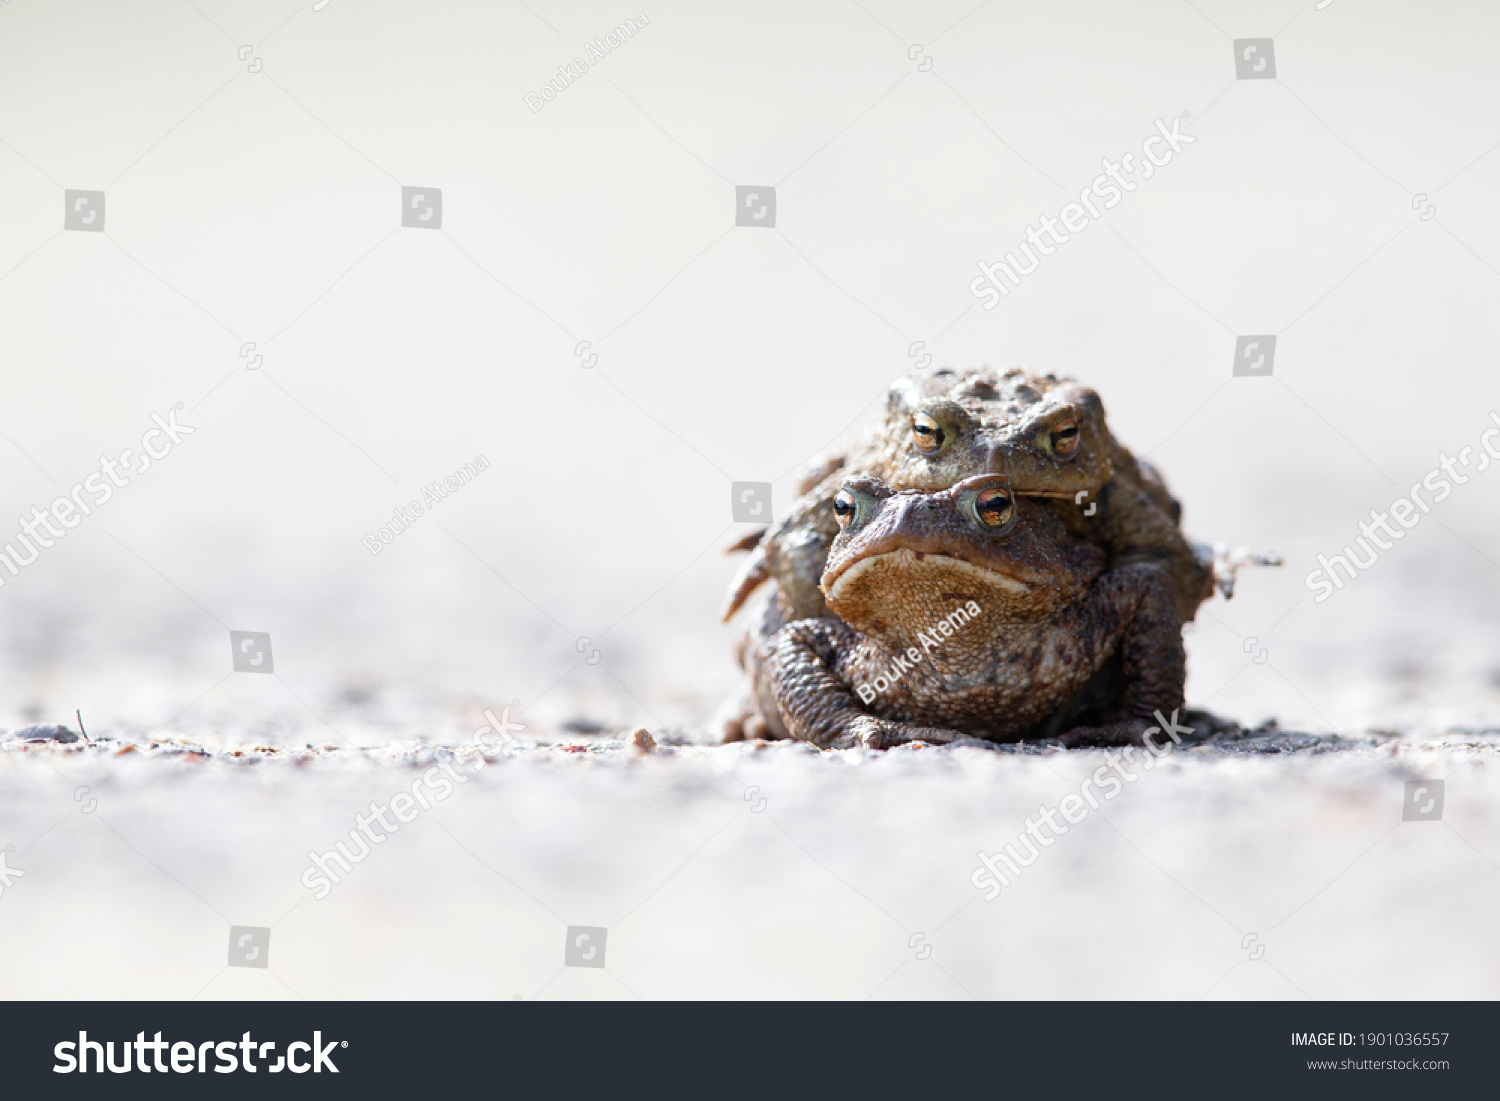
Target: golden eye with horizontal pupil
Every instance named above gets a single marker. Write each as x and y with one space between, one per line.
1065 439
993 507
926 433
844 507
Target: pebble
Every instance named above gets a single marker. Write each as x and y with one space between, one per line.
42 732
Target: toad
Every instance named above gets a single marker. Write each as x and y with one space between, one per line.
972 612
1048 435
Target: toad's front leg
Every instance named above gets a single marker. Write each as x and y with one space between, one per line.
1155 666
804 662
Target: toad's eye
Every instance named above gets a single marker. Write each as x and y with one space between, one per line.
994 507
927 434
1065 439
844 507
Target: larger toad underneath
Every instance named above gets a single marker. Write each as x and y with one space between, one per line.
971 612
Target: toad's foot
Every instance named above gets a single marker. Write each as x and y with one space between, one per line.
877 733
1225 562
816 705
737 719
1160 733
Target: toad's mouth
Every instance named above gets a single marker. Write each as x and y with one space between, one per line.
903 561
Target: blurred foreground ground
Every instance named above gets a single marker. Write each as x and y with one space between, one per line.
1271 868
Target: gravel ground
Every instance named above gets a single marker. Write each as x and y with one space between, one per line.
1270 865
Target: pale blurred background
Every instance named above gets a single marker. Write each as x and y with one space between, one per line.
265 207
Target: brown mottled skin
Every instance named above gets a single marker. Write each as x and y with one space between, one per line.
1047 435
1061 646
